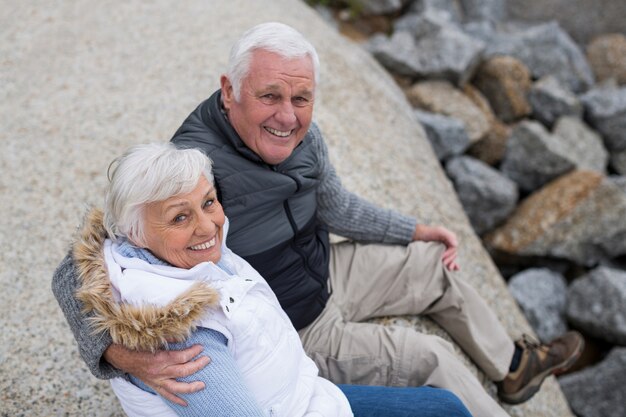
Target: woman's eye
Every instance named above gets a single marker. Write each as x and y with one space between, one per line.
179 218
208 203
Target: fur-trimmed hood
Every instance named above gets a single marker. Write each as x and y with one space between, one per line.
146 327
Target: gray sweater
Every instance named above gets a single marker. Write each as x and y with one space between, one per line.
343 212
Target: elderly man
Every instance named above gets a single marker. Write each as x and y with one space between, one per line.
283 197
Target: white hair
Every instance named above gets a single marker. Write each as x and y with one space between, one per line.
145 174
273 37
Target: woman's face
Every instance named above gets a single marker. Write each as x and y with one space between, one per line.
186 229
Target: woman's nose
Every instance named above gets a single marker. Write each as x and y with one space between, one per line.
206 225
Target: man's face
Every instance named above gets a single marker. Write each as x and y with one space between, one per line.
275 106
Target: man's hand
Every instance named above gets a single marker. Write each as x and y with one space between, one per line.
443 235
159 370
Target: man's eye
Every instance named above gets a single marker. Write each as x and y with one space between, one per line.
300 101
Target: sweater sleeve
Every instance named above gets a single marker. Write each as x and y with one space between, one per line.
225 393
351 216
90 346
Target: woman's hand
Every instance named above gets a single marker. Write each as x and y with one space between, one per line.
443 235
159 370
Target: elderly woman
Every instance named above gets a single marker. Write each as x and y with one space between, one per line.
155 272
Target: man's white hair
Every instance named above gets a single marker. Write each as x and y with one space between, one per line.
274 37
146 174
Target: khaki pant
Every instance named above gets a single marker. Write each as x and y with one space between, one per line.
372 280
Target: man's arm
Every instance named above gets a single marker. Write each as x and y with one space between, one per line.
91 347
351 216
106 360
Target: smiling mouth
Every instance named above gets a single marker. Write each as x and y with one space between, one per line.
204 246
278 133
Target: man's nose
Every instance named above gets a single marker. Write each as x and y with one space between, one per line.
286 114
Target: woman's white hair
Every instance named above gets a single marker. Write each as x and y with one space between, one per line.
273 37
146 174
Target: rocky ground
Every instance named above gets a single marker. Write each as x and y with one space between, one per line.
530 125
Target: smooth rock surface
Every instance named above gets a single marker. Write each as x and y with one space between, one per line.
597 304
579 217
542 295
82 81
599 391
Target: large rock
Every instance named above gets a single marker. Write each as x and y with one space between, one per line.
435 49
487 196
583 19
542 295
605 109
451 7
550 100
376 7
487 10
447 135
579 216
618 162
442 97
598 391
607 57
82 81
597 304
505 81
533 156
581 145
492 147
546 50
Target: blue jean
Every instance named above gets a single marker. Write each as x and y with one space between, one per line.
378 401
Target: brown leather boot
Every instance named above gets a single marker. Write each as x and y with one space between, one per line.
537 362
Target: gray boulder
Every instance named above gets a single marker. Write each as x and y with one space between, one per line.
605 109
451 7
446 134
618 161
581 145
597 304
542 295
397 53
550 100
437 49
428 21
599 390
489 10
546 50
579 217
533 156
583 19
488 197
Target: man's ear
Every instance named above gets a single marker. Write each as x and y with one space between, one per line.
227 92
